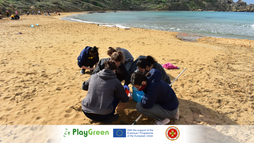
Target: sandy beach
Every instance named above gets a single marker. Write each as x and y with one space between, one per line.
40 81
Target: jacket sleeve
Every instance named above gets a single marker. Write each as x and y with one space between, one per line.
149 99
82 57
120 92
99 67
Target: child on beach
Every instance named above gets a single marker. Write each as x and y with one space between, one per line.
100 105
128 59
88 58
159 101
147 63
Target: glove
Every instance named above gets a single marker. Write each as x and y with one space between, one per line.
126 87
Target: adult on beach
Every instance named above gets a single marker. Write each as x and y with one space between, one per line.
160 101
128 58
148 63
105 91
121 71
88 58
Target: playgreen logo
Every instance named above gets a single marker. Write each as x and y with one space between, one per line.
84 133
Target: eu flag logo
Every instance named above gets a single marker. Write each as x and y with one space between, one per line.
119 132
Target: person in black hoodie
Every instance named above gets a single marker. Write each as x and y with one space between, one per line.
101 100
160 101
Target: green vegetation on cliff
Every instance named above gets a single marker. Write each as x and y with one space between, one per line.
103 5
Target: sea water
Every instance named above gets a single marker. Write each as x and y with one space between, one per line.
238 25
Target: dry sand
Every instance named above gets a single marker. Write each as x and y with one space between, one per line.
40 81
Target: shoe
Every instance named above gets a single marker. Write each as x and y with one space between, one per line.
83 71
177 115
111 119
163 122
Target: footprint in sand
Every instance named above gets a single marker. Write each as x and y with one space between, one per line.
8 109
38 118
68 113
45 99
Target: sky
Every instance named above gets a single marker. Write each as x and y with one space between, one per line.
247 1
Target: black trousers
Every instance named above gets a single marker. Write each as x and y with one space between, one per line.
90 62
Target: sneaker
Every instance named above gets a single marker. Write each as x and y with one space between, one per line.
177 115
83 71
111 119
163 122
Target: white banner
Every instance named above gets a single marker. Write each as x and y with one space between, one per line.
126 133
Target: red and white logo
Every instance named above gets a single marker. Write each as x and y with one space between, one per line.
172 133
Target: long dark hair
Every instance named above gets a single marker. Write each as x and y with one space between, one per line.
137 78
148 61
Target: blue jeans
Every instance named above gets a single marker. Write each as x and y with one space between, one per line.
98 117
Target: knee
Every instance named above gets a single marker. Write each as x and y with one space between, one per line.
139 107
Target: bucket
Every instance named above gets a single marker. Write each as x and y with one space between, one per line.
137 95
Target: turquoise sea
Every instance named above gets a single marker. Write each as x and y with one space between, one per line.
238 25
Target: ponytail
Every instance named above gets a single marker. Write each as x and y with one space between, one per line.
117 56
110 65
151 59
148 61
94 50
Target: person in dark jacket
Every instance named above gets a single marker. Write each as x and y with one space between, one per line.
121 71
104 93
88 58
147 63
160 101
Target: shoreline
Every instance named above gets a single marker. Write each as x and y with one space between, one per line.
40 81
191 36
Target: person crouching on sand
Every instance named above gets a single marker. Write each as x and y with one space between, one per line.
160 101
128 58
88 58
121 71
104 93
147 63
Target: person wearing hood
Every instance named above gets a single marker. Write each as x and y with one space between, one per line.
160 101
88 58
121 71
101 100
148 63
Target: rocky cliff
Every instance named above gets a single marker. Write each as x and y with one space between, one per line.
103 5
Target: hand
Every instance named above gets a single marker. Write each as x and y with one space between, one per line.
130 97
126 87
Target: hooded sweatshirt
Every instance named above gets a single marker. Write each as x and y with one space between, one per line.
84 55
121 72
158 91
102 87
127 55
